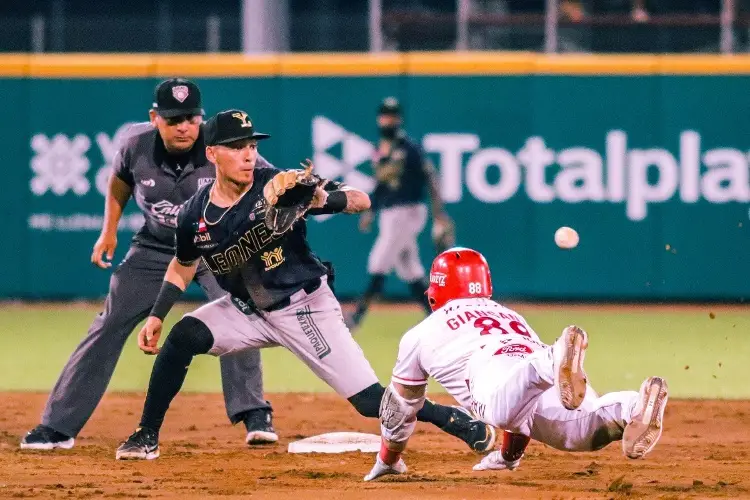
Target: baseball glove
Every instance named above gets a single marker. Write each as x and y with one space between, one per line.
289 195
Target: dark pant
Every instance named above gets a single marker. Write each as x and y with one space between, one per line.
132 291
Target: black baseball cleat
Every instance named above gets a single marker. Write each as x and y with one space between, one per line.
259 425
479 436
143 444
42 437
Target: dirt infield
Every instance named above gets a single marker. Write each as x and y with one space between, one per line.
705 453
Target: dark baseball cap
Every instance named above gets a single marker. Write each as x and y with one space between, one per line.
229 126
177 96
390 106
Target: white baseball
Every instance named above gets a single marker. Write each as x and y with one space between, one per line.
566 237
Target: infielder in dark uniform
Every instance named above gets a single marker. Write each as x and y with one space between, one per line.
404 174
161 164
278 289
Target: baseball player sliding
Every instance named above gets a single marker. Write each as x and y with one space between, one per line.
492 362
246 227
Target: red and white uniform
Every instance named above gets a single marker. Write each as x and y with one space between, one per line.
493 363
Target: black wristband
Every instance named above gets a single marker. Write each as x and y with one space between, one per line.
335 203
168 295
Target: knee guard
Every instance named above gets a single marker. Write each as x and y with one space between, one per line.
367 401
398 415
191 335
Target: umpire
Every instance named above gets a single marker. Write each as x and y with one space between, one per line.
161 164
404 176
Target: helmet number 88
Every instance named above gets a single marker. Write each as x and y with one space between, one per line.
475 288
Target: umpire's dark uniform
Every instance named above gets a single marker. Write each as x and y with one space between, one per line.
160 183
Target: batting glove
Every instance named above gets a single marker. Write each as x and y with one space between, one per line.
381 469
495 461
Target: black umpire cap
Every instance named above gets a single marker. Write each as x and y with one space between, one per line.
390 106
229 126
176 97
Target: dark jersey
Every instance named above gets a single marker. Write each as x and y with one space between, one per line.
161 182
239 249
402 177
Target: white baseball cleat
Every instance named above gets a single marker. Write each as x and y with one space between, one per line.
644 431
568 353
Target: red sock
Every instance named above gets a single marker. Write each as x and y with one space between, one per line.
388 457
513 446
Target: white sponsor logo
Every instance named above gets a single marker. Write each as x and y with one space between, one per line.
437 278
148 182
202 238
635 177
77 222
60 164
109 147
202 181
166 212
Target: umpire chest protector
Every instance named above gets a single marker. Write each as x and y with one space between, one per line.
161 183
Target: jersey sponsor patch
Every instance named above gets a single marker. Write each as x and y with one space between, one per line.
165 212
273 258
202 237
202 181
514 350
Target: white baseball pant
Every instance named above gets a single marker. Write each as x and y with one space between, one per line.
516 392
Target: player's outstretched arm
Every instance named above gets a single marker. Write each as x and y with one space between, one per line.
176 280
398 418
333 198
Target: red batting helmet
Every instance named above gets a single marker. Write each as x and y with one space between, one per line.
458 273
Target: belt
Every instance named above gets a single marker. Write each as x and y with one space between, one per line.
309 288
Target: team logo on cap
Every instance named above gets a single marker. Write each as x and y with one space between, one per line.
243 118
180 92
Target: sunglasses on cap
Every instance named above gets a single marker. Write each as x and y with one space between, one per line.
176 120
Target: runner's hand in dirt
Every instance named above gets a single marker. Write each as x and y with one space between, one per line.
495 461
381 469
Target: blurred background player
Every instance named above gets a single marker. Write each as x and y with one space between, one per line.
161 164
492 362
404 175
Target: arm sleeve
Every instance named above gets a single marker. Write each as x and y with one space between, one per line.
185 250
121 166
408 369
